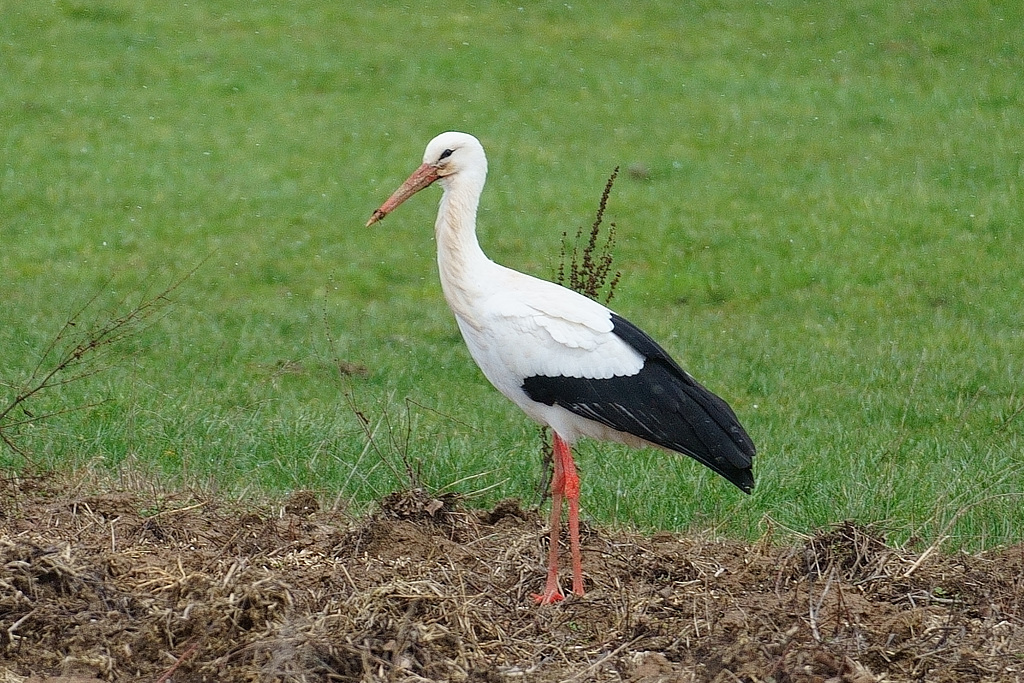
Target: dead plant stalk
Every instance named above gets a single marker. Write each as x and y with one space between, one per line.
74 351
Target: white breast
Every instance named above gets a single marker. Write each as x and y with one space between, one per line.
517 326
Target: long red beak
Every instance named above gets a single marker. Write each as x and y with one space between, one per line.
420 178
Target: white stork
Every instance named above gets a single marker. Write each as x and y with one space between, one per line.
567 361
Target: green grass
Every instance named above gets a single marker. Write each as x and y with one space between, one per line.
829 235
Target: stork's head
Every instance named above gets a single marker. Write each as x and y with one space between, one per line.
447 156
452 152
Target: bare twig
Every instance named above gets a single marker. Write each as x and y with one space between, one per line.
924 556
587 672
372 443
181 660
12 637
815 609
72 353
1010 418
945 535
547 463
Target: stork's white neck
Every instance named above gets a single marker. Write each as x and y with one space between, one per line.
465 271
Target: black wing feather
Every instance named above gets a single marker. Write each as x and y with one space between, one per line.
662 404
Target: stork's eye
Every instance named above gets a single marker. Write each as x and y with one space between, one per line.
445 154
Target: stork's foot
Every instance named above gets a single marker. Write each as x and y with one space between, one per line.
552 592
548 597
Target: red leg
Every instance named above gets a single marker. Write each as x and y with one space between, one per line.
565 482
571 488
552 592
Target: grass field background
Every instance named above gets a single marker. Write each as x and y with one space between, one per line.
823 223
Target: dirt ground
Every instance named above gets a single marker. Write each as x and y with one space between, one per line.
135 586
